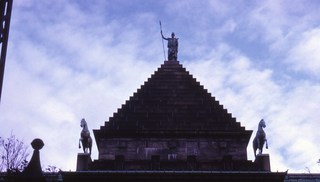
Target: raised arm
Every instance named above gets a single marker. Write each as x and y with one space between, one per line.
163 36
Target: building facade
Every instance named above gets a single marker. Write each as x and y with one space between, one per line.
172 129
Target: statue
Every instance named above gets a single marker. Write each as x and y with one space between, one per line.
85 137
172 46
260 138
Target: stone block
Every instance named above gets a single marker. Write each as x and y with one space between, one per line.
83 161
262 162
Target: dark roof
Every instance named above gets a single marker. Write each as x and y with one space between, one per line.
301 177
173 176
171 100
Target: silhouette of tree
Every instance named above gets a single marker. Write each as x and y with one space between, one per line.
13 154
52 169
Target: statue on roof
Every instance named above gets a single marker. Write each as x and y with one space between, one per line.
172 46
85 137
260 138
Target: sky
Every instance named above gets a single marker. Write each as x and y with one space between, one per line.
74 59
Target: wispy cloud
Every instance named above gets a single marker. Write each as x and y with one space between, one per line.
305 54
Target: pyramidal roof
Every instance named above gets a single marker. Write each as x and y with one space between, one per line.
171 101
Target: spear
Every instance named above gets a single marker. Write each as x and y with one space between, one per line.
164 53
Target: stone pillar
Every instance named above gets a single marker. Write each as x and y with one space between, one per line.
262 162
33 171
83 161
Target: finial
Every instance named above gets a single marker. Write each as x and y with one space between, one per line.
37 144
33 171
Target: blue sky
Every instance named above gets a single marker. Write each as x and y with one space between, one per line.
73 59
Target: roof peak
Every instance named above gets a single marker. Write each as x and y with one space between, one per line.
172 100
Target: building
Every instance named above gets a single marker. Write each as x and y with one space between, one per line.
173 129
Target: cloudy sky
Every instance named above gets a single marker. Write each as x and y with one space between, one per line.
73 59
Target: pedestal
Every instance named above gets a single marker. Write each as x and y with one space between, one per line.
262 162
83 161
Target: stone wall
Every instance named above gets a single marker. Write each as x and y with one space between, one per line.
172 149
